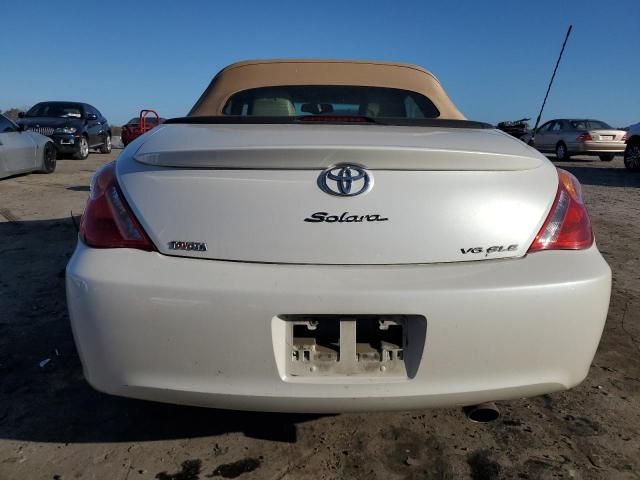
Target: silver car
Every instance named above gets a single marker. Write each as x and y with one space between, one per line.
24 152
566 137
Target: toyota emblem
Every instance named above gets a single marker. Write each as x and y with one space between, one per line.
345 180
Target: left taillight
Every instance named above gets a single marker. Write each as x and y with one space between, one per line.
568 226
584 137
108 222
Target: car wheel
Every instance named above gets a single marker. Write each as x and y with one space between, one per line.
83 150
106 145
632 156
561 152
50 156
606 157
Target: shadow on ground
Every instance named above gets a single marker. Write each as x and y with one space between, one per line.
597 173
605 176
79 188
44 395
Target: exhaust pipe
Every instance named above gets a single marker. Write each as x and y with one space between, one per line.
482 413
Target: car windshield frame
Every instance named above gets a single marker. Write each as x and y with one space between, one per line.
36 110
151 119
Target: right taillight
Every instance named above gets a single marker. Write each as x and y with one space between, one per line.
107 221
567 226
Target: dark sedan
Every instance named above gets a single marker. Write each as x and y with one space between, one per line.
74 127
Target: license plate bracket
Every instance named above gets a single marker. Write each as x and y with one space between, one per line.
353 345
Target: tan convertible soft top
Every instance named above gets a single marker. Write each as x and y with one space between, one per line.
272 73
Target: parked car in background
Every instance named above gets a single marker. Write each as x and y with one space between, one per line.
343 241
566 137
632 150
139 125
74 127
516 128
23 152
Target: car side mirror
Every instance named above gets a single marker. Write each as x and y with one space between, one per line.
92 116
20 114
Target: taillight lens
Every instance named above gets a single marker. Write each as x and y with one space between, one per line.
568 226
584 137
107 221
624 138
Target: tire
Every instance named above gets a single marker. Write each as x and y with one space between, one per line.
83 150
50 156
561 152
632 156
106 144
606 157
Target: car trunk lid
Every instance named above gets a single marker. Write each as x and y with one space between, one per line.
607 135
251 193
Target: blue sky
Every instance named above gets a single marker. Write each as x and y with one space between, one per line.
494 58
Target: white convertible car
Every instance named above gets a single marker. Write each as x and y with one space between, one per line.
325 236
24 152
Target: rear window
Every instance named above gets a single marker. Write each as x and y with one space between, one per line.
598 124
302 100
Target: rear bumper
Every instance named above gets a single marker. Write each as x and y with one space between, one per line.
596 147
202 332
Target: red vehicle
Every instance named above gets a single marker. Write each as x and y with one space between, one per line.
135 127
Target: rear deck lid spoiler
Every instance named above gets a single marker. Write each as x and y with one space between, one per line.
312 147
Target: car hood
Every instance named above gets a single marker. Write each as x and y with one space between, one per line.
54 122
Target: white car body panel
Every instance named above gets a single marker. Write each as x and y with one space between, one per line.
320 146
213 328
511 186
21 152
184 330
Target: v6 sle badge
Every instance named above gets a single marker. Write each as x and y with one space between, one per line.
489 250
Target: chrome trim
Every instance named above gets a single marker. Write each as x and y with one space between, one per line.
46 131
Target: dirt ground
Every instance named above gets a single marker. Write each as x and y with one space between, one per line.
54 426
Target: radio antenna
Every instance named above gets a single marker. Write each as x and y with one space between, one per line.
564 44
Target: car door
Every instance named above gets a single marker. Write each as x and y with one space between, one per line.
542 136
104 126
554 135
93 126
572 129
17 149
